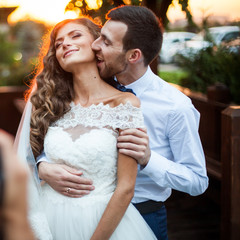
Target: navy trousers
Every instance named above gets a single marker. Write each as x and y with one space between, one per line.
158 222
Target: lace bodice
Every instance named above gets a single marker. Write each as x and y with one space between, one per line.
85 138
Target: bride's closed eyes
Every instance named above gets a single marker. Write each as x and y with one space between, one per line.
72 34
77 35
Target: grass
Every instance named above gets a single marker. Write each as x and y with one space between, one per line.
173 76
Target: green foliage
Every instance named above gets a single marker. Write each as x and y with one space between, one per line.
28 34
210 66
16 74
173 76
8 61
19 48
7 50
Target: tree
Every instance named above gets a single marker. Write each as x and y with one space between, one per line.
98 14
159 7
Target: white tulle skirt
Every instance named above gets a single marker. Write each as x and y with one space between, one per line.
77 218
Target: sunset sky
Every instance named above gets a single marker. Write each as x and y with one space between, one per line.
43 9
200 8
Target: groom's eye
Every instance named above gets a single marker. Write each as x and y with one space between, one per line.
106 42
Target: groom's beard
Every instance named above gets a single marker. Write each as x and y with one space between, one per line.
115 68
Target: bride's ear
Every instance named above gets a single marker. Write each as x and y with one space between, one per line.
134 55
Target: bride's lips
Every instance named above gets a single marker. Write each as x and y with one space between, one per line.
69 52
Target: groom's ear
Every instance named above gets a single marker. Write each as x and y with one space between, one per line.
134 55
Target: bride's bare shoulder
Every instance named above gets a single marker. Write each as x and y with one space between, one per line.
125 97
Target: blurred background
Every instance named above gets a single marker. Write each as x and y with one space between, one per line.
200 56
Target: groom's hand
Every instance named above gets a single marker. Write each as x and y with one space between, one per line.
64 179
135 143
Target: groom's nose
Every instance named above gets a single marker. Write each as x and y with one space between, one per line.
96 45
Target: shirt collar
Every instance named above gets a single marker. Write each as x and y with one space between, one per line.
142 83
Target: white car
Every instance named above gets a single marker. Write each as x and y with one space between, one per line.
217 36
171 43
224 34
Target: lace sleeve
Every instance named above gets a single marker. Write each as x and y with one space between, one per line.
128 116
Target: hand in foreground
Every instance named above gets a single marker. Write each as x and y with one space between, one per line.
14 210
64 179
135 143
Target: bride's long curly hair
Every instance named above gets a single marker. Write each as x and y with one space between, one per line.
54 86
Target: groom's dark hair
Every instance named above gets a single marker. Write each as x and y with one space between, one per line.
144 30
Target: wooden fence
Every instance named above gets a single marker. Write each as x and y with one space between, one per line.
220 135
10 110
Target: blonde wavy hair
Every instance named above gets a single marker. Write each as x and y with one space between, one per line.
54 86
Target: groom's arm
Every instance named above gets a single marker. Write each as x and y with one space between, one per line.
186 172
63 179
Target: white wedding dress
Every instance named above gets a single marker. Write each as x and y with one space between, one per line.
85 138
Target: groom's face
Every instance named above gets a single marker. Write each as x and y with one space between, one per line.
109 49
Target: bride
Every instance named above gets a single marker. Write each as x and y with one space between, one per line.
76 117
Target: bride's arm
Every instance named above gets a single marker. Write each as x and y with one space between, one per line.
120 200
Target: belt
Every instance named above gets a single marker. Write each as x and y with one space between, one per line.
148 206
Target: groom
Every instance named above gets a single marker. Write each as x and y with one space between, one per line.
129 41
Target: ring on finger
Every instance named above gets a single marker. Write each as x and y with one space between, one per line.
68 190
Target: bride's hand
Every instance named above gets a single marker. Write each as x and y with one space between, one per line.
64 179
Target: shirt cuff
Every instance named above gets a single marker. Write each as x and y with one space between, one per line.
42 158
156 166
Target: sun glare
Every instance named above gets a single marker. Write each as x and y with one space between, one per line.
47 11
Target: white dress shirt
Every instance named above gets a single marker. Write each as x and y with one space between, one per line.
177 159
